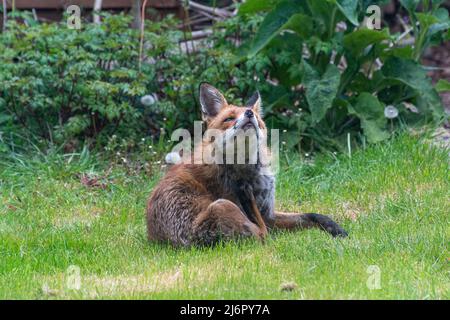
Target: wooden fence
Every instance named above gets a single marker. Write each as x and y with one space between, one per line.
52 10
106 4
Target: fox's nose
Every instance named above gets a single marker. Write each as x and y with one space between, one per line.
249 113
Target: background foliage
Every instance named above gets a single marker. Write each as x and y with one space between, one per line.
324 76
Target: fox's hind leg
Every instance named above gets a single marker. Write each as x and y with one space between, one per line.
223 220
291 221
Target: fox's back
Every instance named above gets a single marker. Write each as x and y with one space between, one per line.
174 204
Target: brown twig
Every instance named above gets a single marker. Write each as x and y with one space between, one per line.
215 11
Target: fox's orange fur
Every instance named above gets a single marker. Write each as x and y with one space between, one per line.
204 203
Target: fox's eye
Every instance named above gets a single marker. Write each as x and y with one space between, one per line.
228 119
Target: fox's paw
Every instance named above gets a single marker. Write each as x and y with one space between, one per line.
327 224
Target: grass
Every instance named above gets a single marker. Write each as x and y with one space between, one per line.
391 198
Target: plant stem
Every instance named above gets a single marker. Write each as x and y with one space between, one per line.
332 23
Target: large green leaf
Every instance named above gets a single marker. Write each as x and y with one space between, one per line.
412 74
320 91
348 9
358 40
370 112
301 24
443 22
321 9
275 21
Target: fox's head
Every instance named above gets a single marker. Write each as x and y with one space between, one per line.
231 125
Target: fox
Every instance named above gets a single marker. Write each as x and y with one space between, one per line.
201 203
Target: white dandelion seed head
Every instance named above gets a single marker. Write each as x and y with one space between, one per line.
391 112
148 99
173 158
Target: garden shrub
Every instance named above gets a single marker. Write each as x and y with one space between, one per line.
335 80
60 83
74 86
69 86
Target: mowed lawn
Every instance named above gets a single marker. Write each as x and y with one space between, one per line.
61 239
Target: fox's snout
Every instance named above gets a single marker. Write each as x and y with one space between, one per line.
246 121
248 113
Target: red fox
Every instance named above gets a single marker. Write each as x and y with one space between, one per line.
202 204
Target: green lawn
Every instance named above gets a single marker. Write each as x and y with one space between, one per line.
393 199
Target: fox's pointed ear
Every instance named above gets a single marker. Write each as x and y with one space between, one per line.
211 100
255 103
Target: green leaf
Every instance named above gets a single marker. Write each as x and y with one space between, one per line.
273 23
443 22
321 9
426 20
358 40
348 9
410 5
370 111
413 75
401 52
441 14
252 6
373 132
77 124
442 85
320 91
301 24
437 3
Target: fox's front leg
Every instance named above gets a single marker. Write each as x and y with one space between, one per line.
291 221
248 202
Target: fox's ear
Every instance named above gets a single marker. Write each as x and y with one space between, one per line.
211 100
255 103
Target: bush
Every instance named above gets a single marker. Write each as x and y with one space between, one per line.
60 83
69 86
318 82
333 79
